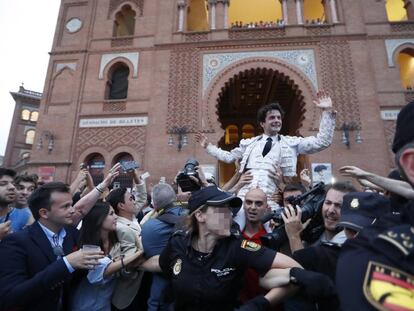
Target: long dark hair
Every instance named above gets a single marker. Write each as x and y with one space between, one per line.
90 232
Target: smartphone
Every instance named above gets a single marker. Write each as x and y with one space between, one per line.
129 166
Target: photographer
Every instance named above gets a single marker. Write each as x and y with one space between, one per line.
331 212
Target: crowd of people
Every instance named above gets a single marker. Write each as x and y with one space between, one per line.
260 24
272 24
266 240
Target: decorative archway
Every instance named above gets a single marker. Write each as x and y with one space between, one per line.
239 91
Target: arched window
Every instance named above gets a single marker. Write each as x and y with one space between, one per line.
96 164
30 134
117 85
25 114
34 116
197 16
314 12
232 135
406 63
247 131
260 13
395 10
124 24
124 179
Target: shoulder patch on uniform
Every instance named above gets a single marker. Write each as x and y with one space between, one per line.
387 288
250 246
402 237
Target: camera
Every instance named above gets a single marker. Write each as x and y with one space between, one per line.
184 180
312 202
129 166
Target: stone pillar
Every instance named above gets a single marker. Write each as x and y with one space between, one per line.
299 12
285 11
181 14
212 13
334 13
291 12
220 14
409 7
226 4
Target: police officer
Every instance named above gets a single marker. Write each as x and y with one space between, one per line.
358 210
376 269
206 264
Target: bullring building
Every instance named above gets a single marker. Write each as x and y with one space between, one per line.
135 79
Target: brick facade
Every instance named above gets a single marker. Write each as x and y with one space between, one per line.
175 80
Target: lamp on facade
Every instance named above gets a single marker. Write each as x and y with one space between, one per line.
182 138
48 136
346 129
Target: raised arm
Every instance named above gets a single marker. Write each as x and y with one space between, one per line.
395 186
218 153
84 205
324 138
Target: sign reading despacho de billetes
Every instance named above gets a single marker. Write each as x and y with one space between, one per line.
114 122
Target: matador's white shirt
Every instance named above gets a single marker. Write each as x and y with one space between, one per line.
284 152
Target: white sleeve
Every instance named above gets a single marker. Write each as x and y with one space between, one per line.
323 139
225 156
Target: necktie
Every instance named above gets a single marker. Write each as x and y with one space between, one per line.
267 147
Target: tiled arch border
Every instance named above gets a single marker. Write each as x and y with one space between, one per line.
209 117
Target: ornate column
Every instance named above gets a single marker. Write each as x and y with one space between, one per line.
181 12
409 7
285 11
212 13
299 14
334 14
226 4
221 13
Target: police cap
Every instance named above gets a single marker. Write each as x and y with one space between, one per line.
404 132
213 196
360 209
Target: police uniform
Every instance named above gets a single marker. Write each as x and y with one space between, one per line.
211 281
376 270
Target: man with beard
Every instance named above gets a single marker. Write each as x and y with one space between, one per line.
376 269
11 219
331 213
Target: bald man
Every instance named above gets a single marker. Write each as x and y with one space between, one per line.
255 206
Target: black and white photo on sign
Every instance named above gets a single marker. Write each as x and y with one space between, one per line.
321 172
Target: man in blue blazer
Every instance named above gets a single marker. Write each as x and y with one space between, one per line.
37 263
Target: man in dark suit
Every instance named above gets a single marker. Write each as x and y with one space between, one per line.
37 263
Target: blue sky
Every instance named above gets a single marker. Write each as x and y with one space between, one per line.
27 28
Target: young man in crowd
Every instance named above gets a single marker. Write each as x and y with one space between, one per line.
25 185
331 212
38 262
128 232
11 219
7 196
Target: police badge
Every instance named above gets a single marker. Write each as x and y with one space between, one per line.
177 267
